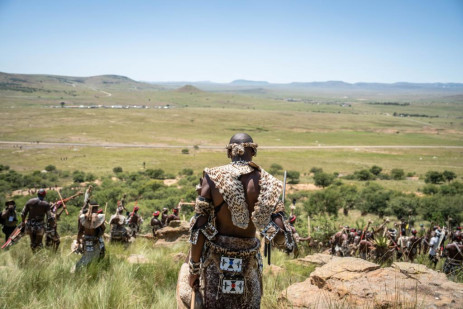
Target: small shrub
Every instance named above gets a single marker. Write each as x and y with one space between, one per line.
397 174
186 172
117 170
50 168
316 170
363 175
375 170
430 189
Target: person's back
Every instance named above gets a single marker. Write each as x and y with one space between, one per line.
454 253
250 183
234 201
33 215
90 234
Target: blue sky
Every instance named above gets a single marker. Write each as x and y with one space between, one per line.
276 41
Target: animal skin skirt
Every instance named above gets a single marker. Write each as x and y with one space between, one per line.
232 273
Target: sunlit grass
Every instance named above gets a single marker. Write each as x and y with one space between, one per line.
44 280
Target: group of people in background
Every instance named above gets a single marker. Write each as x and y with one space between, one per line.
39 219
402 242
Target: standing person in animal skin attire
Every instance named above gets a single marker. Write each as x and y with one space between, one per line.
135 221
234 201
454 255
297 237
173 216
33 214
9 219
90 235
164 216
155 223
118 231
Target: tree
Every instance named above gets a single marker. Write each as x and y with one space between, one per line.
323 179
62 104
325 201
349 197
316 170
402 206
374 199
293 177
275 169
117 170
375 170
397 174
78 176
433 177
185 151
449 175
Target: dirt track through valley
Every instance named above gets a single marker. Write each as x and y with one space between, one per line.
27 145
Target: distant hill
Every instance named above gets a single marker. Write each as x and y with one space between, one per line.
50 83
188 89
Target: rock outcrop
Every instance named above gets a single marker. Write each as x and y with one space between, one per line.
356 283
177 230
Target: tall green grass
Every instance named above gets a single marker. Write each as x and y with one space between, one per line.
44 280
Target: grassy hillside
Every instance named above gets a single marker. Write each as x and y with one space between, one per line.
45 280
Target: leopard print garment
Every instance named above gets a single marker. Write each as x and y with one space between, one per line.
226 179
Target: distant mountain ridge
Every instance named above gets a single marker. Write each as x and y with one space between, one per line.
32 82
23 82
339 85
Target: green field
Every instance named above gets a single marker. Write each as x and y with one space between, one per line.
208 119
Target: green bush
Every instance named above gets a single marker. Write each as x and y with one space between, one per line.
78 176
293 177
155 173
117 170
433 177
449 175
430 189
323 179
375 170
276 169
397 174
186 172
363 175
50 168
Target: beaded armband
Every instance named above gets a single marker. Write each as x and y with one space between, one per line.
207 229
270 233
194 268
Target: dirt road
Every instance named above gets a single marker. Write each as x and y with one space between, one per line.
9 144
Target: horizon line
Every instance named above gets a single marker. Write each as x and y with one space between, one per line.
238 79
